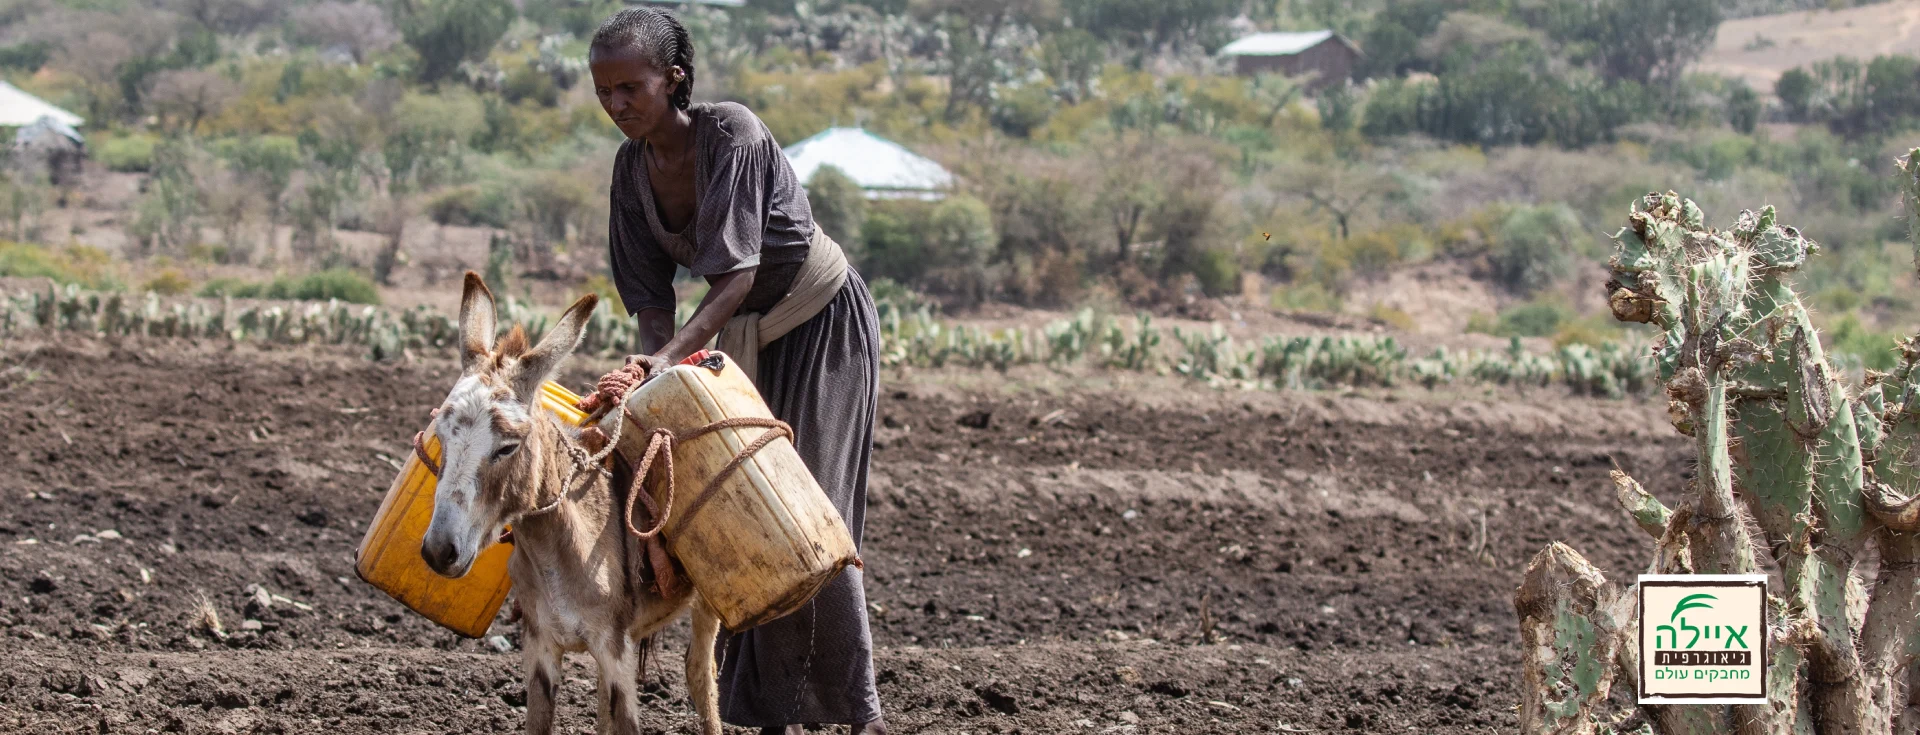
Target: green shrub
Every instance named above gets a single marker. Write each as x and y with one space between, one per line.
229 286
1393 317
1535 246
1216 271
76 264
168 282
1850 336
26 56
896 295
960 231
1593 331
1306 297
839 206
471 205
337 283
126 153
1481 322
892 235
1537 319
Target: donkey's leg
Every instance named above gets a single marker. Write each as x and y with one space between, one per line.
700 669
543 680
619 661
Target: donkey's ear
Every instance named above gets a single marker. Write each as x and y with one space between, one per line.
537 366
476 323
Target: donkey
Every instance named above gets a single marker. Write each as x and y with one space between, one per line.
574 567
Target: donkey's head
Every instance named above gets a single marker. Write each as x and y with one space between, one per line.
491 453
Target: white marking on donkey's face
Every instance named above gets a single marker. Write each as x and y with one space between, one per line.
467 518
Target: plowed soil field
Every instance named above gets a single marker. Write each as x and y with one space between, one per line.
1046 554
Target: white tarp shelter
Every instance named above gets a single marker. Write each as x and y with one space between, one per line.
19 109
885 169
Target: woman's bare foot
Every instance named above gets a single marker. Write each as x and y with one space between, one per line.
876 727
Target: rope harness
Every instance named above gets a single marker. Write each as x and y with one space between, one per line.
612 391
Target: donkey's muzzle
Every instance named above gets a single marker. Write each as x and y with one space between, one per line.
441 556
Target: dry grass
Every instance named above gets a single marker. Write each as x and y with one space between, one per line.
206 617
1799 38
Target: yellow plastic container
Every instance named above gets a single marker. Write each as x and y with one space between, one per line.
389 555
769 538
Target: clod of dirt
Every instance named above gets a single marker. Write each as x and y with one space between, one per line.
996 697
42 585
315 517
977 419
1169 688
500 643
259 602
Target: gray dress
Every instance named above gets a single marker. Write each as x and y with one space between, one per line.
822 378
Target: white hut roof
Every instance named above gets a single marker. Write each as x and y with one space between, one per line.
875 163
18 108
1275 44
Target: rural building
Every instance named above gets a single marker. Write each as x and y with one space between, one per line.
1329 56
44 137
885 169
19 109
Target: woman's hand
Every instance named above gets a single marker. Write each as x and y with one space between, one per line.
668 347
655 364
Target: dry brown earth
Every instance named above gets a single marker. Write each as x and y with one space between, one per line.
1355 552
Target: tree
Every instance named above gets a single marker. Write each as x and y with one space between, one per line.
1337 105
1643 41
95 57
1535 246
977 54
360 27
1273 92
1340 188
1891 91
839 206
447 32
1150 26
959 232
232 17
1795 89
1072 58
1743 108
190 95
267 163
1125 196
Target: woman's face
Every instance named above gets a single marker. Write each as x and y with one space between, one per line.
632 89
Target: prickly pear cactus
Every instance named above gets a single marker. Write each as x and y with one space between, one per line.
1824 473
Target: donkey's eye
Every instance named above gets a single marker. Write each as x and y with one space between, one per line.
505 451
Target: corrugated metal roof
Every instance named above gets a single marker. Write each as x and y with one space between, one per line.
1275 44
875 163
18 108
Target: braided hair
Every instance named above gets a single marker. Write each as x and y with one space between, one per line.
655 33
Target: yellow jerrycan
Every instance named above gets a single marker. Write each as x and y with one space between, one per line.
389 555
759 544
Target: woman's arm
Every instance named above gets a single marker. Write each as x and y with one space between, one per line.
666 348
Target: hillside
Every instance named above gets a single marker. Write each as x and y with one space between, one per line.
1760 48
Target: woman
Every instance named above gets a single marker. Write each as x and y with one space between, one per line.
706 187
